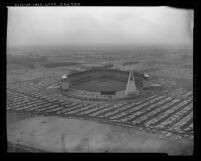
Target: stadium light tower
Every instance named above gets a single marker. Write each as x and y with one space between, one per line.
131 87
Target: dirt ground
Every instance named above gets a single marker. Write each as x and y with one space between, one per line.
70 135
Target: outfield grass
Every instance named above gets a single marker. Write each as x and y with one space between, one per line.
102 85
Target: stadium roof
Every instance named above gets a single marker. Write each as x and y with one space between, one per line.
64 76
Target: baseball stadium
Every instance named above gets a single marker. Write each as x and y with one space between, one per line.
106 83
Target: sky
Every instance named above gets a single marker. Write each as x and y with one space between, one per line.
32 26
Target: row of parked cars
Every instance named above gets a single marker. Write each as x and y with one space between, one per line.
30 86
145 119
189 128
154 111
82 108
16 100
96 108
174 118
32 102
100 113
168 112
160 109
183 122
138 107
181 92
128 106
69 107
147 109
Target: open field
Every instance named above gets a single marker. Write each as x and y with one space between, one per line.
71 135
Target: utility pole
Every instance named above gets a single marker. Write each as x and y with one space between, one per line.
88 147
63 146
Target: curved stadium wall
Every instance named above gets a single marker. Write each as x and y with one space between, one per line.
75 79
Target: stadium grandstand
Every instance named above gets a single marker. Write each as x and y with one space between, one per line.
101 82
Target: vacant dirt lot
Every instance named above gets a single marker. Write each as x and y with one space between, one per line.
47 133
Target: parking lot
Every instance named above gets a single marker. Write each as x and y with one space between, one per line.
166 112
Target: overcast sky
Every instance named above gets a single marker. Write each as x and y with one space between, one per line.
98 25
